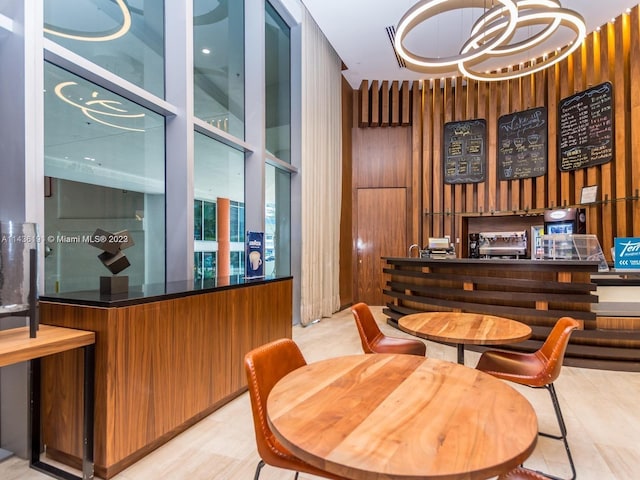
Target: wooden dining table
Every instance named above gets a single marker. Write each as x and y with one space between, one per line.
401 417
463 328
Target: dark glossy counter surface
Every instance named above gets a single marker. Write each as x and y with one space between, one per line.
139 294
528 264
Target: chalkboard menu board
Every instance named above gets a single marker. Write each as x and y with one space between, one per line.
586 128
522 144
465 155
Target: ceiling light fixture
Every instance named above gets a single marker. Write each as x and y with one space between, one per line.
491 36
110 108
99 37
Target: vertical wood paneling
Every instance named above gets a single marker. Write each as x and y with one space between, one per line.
437 186
634 77
504 108
363 117
594 177
528 101
539 184
612 54
427 162
395 103
346 204
384 104
374 98
492 133
622 126
449 115
405 94
472 112
579 84
482 111
459 114
607 52
566 89
415 235
515 105
553 174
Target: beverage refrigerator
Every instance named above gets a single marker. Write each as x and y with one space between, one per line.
566 220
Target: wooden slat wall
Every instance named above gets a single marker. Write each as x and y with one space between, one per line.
610 54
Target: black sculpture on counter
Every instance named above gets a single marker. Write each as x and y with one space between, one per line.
112 257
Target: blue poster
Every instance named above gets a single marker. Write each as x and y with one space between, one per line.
254 255
627 253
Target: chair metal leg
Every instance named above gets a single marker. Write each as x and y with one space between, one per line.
563 432
258 468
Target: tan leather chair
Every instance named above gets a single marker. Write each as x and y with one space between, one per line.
374 341
522 474
538 369
264 366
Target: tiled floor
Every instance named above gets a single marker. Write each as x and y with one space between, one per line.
601 410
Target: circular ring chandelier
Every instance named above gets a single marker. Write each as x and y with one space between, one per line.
491 35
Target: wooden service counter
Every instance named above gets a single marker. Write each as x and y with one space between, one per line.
535 292
166 356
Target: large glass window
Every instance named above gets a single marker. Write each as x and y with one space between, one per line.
218 63
104 167
219 186
124 37
277 242
278 85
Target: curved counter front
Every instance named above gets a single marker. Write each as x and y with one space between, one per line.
166 356
536 292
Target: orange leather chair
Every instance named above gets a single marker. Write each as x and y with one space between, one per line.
374 341
522 474
538 369
264 366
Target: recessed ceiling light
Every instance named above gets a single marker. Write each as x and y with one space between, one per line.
206 51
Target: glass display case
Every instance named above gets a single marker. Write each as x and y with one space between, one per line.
565 246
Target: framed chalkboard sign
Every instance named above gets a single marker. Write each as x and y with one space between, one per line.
586 128
465 153
522 144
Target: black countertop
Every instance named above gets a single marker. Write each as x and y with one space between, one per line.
496 261
154 292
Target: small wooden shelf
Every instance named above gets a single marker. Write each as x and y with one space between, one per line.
16 345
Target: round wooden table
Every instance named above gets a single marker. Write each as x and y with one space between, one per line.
401 417
464 329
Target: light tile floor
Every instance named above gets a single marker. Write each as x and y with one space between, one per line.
600 408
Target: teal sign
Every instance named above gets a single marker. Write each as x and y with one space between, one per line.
627 253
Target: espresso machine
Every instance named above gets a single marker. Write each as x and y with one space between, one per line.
503 244
474 245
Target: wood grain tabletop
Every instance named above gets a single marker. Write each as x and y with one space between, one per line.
401 417
464 328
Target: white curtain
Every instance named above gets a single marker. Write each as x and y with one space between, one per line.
321 170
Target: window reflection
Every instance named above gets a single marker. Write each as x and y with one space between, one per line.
104 157
278 85
277 241
218 61
121 36
219 196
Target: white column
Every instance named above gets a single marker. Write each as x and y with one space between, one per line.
179 140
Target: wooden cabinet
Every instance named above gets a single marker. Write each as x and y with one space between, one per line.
161 365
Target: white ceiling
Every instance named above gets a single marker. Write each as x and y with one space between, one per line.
357 31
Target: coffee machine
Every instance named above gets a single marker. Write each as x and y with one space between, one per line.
503 244
474 245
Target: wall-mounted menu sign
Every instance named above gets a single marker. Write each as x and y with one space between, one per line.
586 128
465 154
522 144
